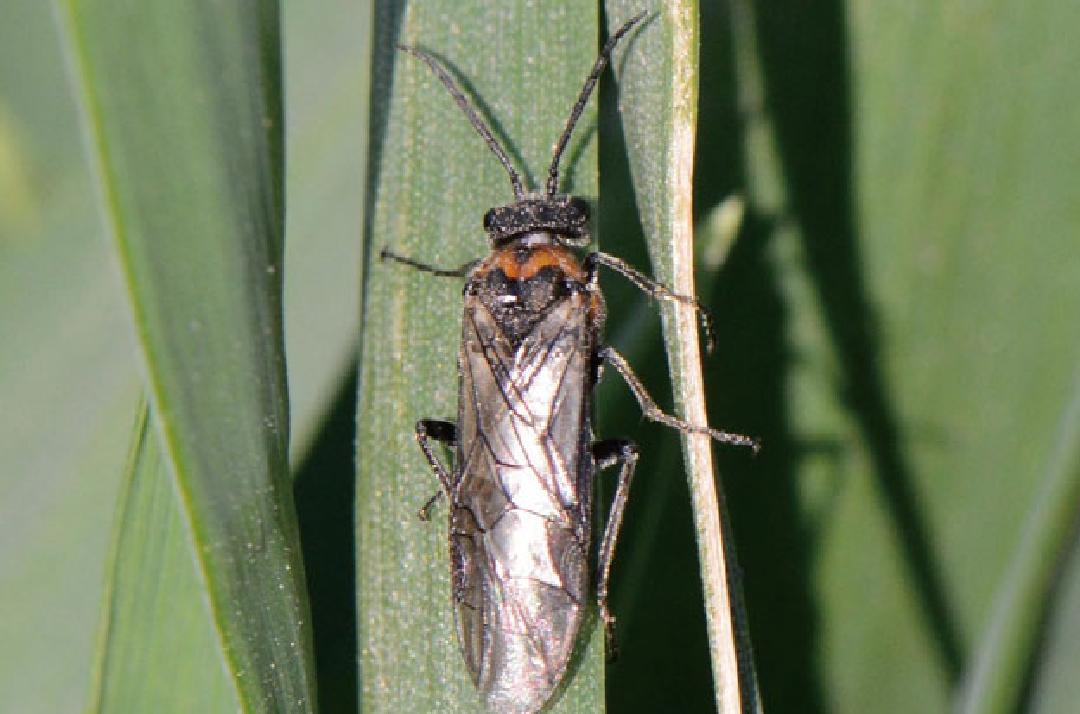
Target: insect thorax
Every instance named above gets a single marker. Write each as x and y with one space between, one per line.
522 281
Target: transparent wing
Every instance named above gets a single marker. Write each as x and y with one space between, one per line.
522 498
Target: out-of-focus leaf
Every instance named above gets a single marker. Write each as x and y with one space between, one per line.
326 83
68 379
1054 687
1004 662
905 299
156 617
327 72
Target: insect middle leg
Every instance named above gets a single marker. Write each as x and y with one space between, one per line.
442 431
652 411
608 453
654 289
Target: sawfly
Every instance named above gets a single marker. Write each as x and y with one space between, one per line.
520 489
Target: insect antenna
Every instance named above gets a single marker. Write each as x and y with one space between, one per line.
583 99
470 112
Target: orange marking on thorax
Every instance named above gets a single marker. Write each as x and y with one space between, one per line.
522 264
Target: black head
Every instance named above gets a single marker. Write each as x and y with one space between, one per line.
565 218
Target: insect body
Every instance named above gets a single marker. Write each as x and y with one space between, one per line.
520 489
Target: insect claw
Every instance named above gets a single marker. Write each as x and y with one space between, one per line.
424 513
706 320
611 645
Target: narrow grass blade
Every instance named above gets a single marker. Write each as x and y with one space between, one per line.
658 102
182 111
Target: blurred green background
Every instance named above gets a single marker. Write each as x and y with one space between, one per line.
897 320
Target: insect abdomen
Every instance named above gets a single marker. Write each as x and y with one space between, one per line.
519 633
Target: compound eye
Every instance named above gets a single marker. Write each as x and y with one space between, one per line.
489 219
580 207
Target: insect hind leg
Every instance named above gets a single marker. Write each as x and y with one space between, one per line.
652 411
606 454
446 433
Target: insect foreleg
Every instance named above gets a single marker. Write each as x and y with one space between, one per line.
608 453
653 412
442 431
654 289
458 272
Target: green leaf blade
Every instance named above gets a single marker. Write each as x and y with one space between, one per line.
183 111
658 95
